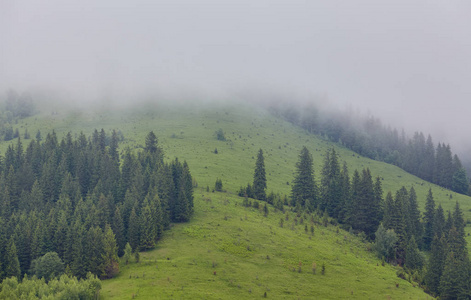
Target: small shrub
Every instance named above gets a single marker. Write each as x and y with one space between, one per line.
220 135
218 185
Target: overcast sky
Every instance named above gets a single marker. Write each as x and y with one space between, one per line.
408 62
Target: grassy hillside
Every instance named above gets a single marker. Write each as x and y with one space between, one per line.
236 240
188 130
231 252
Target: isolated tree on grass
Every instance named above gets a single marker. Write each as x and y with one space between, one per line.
259 178
304 190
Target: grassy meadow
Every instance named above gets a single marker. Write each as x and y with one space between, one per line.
229 251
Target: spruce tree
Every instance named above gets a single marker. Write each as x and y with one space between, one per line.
345 203
429 220
134 230
331 185
439 222
435 264
388 211
414 217
304 187
12 264
109 267
259 178
413 257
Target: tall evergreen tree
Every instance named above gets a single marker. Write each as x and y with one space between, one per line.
304 189
12 264
429 220
388 213
331 185
259 178
436 263
109 255
440 225
414 216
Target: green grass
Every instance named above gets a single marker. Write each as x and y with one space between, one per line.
188 132
231 252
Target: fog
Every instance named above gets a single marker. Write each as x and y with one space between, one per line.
407 62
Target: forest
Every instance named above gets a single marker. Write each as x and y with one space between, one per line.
367 136
393 224
72 206
73 210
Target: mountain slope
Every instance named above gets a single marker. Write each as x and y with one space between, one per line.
231 252
239 240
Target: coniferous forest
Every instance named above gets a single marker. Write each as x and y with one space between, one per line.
394 224
73 210
367 136
73 206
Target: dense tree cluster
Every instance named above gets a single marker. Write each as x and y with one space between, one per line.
64 287
394 223
76 198
356 203
367 136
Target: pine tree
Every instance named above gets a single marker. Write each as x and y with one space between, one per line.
400 224
388 211
454 279
414 217
12 264
118 229
346 194
413 258
439 222
134 230
459 224
331 185
429 220
460 182
304 187
127 253
435 264
109 255
148 233
259 178
365 209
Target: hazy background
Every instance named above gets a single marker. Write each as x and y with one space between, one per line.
408 62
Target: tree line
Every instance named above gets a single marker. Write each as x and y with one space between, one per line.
15 106
394 223
367 136
79 199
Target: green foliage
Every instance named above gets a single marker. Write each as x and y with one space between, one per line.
220 135
304 190
218 185
413 258
385 243
11 262
436 263
460 182
259 178
47 266
127 253
429 220
65 287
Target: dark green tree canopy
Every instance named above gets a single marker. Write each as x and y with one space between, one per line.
259 178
